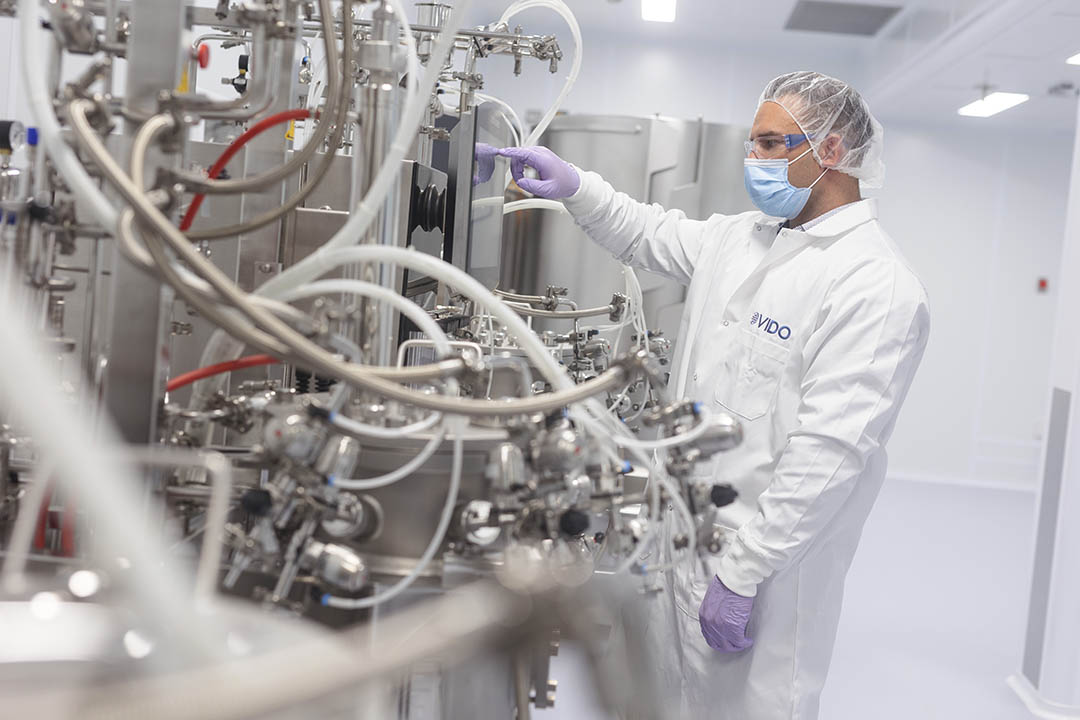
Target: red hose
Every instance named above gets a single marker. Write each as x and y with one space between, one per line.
210 370
67 530
234 147
42 527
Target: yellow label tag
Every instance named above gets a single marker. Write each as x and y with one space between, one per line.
183 86
290 134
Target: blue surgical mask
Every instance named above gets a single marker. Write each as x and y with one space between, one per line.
771 191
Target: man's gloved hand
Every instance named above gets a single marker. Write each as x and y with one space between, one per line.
558 180
485 162
723 616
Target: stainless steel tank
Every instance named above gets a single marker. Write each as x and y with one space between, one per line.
688 165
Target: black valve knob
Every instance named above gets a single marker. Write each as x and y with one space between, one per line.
41 212
722 495
573 523
554 419
257 502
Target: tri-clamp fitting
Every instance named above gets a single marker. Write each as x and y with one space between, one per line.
642 362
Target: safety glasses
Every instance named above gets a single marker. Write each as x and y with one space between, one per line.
771 146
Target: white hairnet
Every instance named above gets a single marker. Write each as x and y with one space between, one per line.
824 106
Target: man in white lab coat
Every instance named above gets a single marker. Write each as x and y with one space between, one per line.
804 321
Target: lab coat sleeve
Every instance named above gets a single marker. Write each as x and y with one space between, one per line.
857 367
637 234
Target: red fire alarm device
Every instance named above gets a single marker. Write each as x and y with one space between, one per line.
1044 285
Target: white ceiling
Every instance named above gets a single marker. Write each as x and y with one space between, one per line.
1010 46
925 63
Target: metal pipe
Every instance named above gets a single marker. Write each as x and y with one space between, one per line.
199 183
321 171
523 309
374 334
521 298
112 10
423 342
255 99
93 273
193 62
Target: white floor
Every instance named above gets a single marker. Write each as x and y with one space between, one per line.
935 607
933 617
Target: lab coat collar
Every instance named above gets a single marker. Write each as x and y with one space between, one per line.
787 241
846 219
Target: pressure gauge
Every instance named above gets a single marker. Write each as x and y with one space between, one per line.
12 136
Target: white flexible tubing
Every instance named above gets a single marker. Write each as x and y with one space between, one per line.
385 433
217 516
324 262
407 308
87 465
364 214
399 474
507 112
575 66
360 287
675 497
512 120
429 553
534 204
650 532
314 96
311 106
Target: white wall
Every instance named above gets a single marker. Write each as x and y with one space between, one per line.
980 213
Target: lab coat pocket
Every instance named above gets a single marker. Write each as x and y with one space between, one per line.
750 390
689 590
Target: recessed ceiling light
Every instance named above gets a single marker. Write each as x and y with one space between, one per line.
992 104
658 10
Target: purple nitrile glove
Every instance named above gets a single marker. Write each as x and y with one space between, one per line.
723 616
558 180
485 162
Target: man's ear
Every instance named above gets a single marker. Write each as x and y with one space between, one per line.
831 151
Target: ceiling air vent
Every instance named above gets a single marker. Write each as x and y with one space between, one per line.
840 17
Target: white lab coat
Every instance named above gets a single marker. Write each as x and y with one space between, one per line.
811 339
